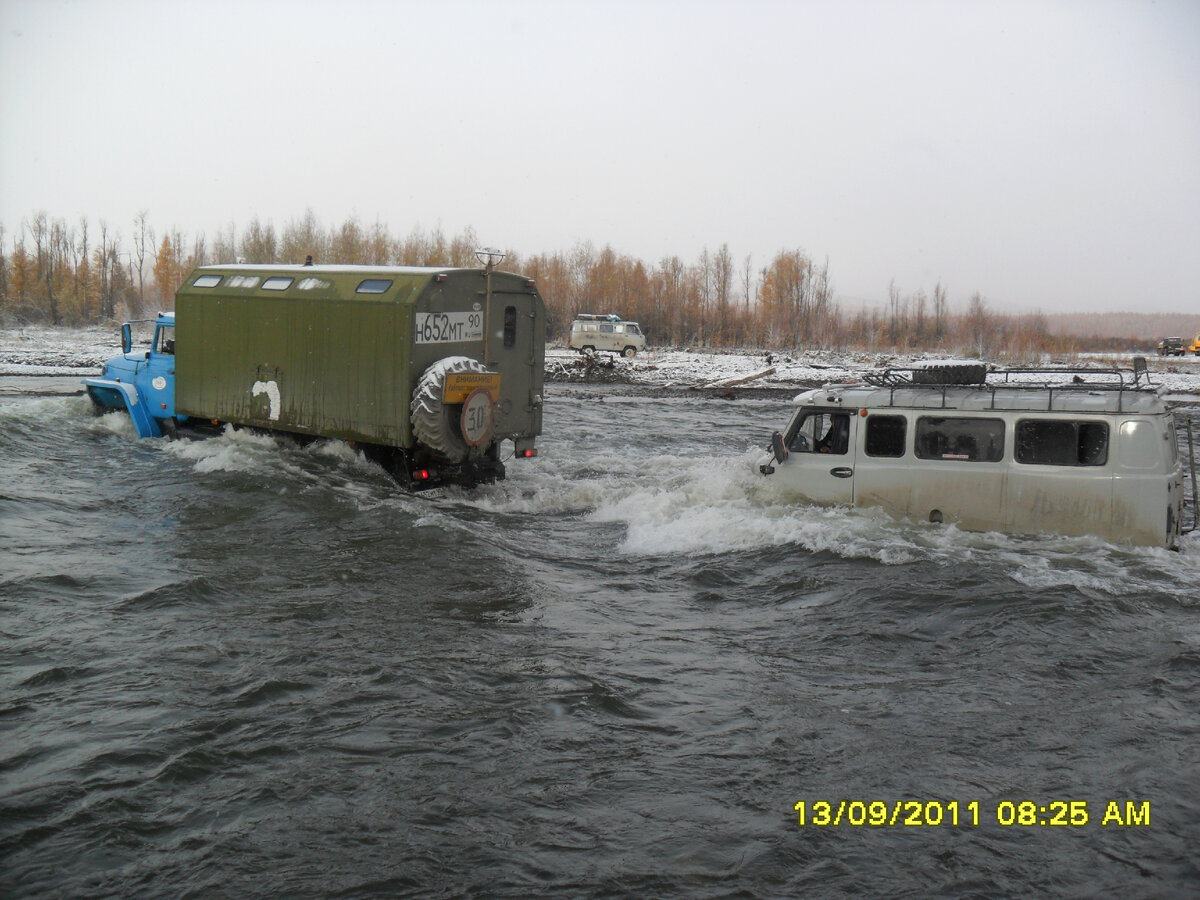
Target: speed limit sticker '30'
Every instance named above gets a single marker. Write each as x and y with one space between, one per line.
477 417
447 327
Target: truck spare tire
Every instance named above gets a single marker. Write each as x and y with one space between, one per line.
437 424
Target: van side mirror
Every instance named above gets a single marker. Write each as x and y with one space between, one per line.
126 338
778 447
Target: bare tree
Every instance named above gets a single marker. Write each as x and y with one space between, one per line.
4 298
106 261
225 245
722 275
939 311
893 313
143 240
258 242
919 304
978 323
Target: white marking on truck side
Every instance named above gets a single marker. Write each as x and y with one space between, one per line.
271 389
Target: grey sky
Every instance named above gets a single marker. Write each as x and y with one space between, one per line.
1045 154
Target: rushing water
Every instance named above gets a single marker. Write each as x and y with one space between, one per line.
243 667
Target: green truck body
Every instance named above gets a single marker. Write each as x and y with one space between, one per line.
350 351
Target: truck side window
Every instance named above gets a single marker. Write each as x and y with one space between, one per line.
885 435
510 325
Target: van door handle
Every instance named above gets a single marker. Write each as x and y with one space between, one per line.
841 472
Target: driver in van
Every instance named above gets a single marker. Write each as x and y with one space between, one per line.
837 438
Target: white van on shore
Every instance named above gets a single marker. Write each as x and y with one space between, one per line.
1067 451
590 333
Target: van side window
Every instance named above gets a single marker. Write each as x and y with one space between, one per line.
820 432
967 440
885 435
1046 442
510 325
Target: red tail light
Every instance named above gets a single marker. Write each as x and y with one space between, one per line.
421 475
528 454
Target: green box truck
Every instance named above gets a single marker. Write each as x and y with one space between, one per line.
429 370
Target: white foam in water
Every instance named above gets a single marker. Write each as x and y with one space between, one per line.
233 451
673 505
116 423
687 505
679 505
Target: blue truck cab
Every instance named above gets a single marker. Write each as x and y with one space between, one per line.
142 383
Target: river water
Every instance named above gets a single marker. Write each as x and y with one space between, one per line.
243 667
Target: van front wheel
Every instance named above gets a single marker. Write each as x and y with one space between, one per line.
629 352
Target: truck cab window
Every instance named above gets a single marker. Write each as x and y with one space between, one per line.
166 341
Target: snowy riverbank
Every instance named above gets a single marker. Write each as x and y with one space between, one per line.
67 352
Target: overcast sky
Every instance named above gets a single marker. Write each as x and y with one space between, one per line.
1045 154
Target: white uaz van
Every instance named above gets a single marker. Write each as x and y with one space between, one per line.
613 334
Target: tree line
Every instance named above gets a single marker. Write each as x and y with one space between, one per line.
75 274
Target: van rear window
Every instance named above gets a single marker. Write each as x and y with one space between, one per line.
960 438
1054 442
373 286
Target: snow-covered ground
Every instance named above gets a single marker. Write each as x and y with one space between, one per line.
45 351
800 369
40 350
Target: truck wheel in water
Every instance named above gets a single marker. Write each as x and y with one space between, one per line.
437 424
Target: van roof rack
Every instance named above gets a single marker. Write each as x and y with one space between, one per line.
983 376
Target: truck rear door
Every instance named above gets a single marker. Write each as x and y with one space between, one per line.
517 351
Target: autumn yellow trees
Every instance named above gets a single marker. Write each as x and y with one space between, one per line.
54 272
